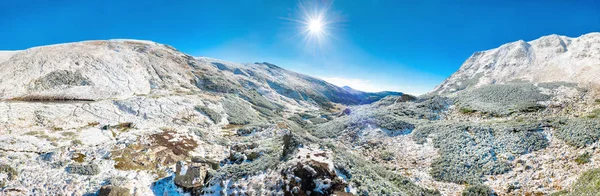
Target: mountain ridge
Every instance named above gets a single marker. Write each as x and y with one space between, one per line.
174 71
549 58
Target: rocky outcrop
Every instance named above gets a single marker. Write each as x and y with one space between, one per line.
192 176
312 174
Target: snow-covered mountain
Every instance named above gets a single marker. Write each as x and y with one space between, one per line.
129 117
138 117
550 58
96 70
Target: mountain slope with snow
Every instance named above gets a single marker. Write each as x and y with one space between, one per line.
96 70
550 58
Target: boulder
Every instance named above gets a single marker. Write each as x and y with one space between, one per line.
191 177
113 191
84 169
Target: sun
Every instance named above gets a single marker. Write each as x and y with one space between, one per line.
315 26
314 23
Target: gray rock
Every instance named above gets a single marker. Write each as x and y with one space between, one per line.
84 169
113 191
191 176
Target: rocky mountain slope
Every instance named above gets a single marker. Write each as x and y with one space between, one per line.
127 117
547 59
142 118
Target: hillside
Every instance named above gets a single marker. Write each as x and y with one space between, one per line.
144 118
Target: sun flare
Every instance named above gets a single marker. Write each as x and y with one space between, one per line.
315 26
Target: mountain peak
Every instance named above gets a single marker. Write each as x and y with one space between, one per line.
549 58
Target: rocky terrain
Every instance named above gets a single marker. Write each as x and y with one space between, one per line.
129 117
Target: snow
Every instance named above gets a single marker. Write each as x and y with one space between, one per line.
547 59
5 55
166 186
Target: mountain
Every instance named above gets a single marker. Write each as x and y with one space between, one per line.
128 117
550 58
97 70
138 117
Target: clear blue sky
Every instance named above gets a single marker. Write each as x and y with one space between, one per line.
398 45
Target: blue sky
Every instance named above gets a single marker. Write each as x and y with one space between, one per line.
408 46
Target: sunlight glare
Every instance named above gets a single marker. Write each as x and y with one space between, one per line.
315 26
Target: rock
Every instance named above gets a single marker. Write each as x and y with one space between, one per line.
50 156
191 177
113 191
347 111
290 144
84 169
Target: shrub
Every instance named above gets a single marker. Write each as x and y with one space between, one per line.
595 113
387 156
502 99
469 151
372 179
213 115
391 122
583 158
258 100
466 110
10 172
478 190
318 120
578 132
216 83
587 183
238 111
330 129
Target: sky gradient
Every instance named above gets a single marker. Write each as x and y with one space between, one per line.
408 46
